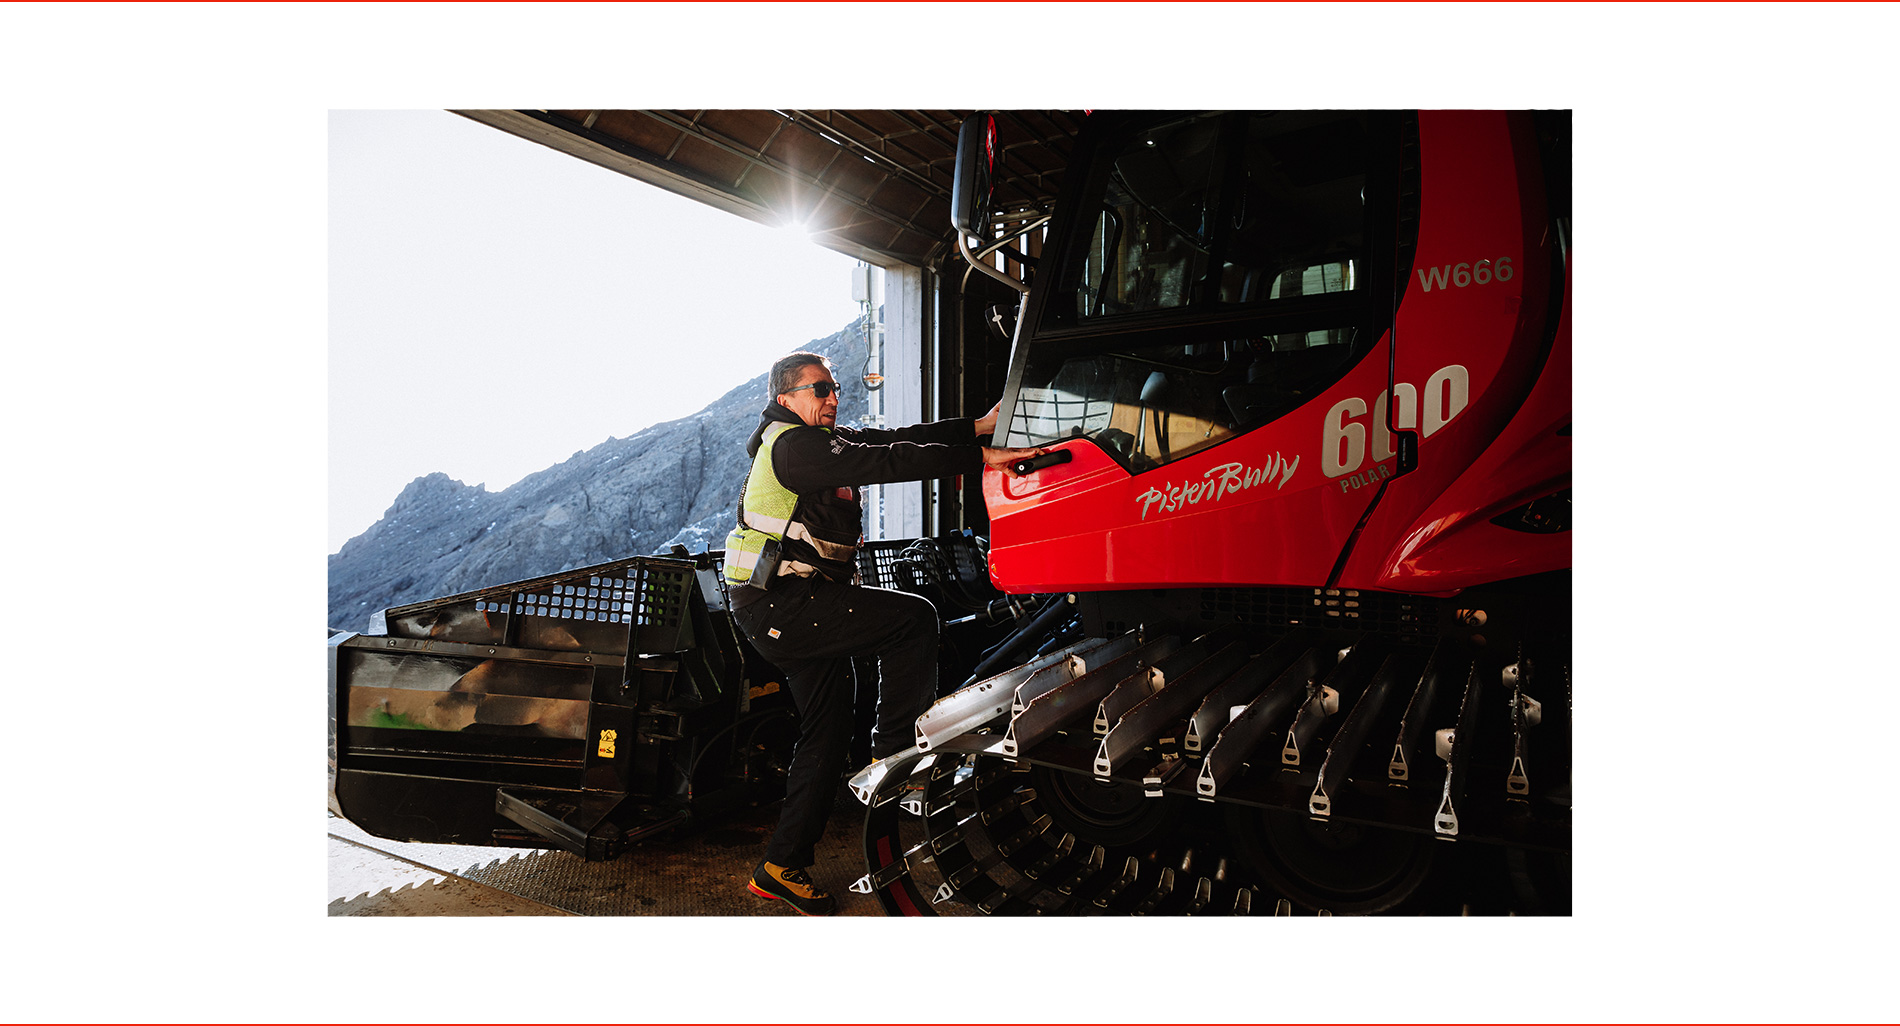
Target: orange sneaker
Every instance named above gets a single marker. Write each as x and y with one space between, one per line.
791 885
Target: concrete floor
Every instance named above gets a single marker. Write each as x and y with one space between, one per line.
696 873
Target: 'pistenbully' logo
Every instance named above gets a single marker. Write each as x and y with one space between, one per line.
1218 483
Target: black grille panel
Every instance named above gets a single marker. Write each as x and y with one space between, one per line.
1404 616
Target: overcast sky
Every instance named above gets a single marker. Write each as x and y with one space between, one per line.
496 306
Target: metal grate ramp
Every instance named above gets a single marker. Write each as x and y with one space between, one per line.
693 873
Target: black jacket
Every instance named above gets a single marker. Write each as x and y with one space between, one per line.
826 468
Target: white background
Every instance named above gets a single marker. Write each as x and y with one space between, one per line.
165 315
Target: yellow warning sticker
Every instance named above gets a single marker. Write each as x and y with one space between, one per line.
607 738
770 687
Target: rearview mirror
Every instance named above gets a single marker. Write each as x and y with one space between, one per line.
975 174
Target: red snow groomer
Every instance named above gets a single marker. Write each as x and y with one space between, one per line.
1304 379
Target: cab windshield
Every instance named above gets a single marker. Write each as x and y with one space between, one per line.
1220 281
1149 405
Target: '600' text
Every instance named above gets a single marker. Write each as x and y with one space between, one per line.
1343 439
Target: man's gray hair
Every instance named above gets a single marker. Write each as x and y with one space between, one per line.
785 372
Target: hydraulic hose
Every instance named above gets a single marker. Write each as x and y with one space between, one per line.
1046 619
1009 607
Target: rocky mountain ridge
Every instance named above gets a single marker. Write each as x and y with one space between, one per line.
670 483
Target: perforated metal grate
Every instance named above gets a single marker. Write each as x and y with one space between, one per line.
595 597
659 605
648 594
881 564
912 563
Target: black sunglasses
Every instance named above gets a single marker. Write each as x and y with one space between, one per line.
821 389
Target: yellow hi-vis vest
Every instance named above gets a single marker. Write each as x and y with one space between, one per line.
765 512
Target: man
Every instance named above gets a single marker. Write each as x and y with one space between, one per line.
810 617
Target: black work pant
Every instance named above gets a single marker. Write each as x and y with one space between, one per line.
810 628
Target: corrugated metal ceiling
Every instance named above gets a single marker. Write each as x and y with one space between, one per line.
874 184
